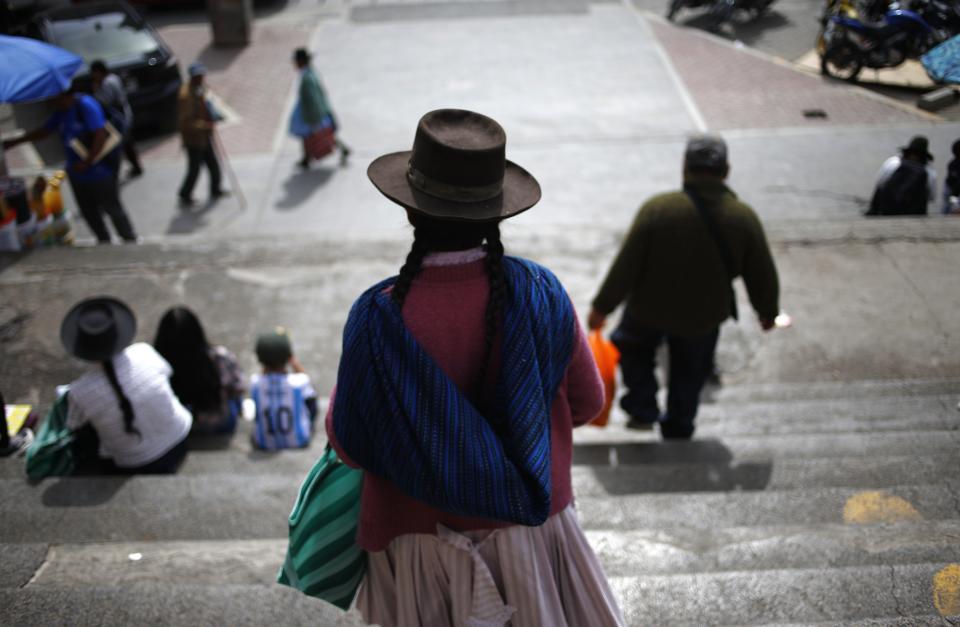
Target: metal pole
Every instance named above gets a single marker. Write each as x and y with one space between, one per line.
225 160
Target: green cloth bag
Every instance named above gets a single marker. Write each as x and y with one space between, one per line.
323 558
51 454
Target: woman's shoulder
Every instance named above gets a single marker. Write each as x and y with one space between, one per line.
221 354
522 269
142 353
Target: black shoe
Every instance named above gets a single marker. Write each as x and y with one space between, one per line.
220 193
639 425
714 379
134 173
304 164
344 155
186 202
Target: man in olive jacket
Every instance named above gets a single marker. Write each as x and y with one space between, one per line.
673 275
197 122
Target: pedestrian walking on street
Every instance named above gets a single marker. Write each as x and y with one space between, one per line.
94 182
459 385
109 91
312 112
906 182
197 120
675 270
951 186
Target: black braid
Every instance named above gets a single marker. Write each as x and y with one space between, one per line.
411 268
497 299
125 405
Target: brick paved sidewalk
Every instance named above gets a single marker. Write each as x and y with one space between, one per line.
739 89
253 81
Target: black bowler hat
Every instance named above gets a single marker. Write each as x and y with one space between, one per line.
919 146
96 329
301 55
457 171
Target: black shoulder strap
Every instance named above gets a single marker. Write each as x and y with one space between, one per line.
725 256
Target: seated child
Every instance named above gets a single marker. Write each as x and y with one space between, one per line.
286 402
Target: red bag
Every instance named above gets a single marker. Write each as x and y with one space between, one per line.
320 143
607 357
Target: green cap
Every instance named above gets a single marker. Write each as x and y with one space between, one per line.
274 349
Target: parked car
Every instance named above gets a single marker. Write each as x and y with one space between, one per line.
113 31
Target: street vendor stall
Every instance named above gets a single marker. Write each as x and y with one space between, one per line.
32 213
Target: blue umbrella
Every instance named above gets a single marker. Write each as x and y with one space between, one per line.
943 62
33 70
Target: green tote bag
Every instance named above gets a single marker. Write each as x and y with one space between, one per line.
323 558
51 454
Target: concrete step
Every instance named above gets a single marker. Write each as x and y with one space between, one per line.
824 546
711 510
606 447
218 507
718 474
124 605
780 596
623 553
838 390
919 413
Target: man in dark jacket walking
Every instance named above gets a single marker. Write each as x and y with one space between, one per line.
674 270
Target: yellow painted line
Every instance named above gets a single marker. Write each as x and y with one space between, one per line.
873 507
946 590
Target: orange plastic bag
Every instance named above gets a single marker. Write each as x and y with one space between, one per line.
607 357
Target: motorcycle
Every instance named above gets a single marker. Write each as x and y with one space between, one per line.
850 44
720 11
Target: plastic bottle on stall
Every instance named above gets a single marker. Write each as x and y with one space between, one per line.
38 191
9 239
52 197
62 230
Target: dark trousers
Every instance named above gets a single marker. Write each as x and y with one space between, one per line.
94 198
130 152
87 460
690 362
195 158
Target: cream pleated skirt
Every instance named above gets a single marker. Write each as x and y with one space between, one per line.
517 576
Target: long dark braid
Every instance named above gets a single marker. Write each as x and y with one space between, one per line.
497 299
411 268
125 405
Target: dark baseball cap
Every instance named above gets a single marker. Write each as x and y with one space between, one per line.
274 348
706 151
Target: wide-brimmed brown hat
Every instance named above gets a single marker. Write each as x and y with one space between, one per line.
96 329
456 171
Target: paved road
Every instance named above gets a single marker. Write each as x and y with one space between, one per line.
597 101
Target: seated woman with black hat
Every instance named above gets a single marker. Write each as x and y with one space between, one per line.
141 426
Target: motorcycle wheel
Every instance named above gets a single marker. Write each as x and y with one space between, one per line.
675 6
721 12
842 61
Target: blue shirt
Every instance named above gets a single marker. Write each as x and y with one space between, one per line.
80 120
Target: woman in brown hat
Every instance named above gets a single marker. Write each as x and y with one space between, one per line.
459 385
141 426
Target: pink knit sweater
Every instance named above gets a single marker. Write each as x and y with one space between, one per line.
444 311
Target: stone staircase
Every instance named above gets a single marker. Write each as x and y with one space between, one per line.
818 503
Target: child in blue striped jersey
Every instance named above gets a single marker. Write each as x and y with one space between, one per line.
286 402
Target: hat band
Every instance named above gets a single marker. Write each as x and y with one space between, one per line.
455 193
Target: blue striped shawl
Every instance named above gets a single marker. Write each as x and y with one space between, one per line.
399 416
